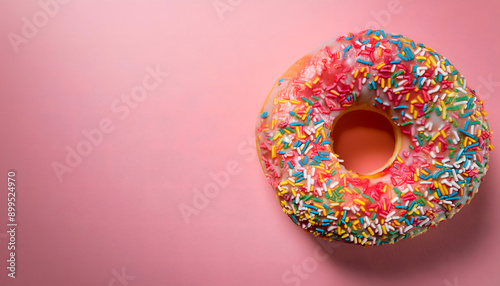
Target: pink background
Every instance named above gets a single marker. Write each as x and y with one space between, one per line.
119 208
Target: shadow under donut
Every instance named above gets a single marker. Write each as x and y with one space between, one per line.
450 240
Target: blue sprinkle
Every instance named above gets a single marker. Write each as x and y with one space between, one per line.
317 139
364 62
346 48
310 206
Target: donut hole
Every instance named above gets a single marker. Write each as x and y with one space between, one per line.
365 140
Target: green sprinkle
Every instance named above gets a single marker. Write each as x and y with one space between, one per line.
369 198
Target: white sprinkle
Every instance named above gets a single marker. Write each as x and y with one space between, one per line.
333 184
424 222
435 89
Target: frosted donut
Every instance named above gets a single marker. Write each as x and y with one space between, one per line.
441 132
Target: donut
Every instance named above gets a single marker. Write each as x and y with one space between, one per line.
442 139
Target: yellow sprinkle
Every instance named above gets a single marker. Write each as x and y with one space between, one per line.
274 150
383 229
356 74
433 61
360 201
399 159
371 231
380 66
308 84
364 234
316 80
435 136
